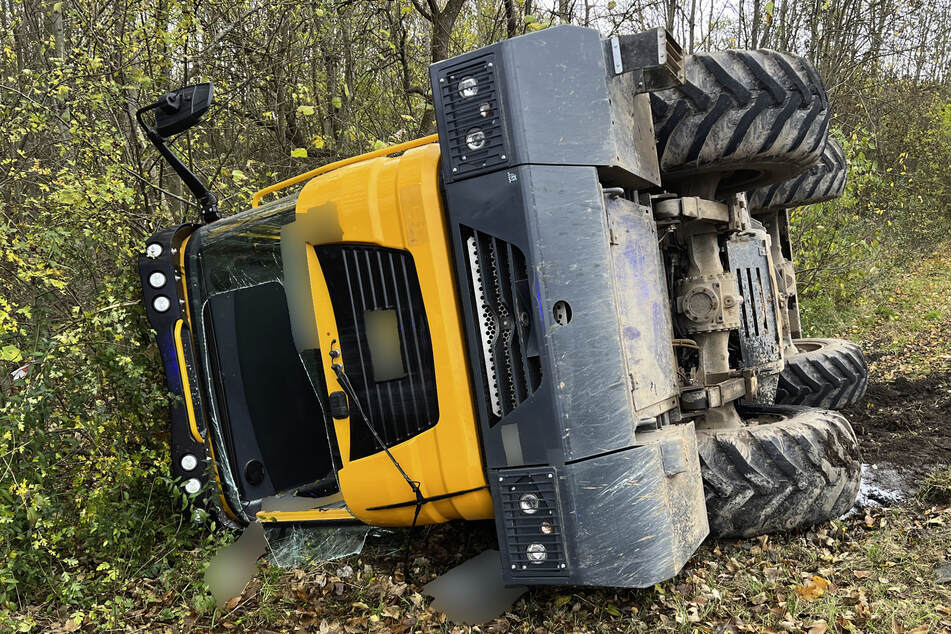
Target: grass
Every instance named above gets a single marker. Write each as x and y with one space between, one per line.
873 572
906 324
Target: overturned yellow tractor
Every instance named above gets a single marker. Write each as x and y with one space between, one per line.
560 313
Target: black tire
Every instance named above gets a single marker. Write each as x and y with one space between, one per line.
750 117
798 467
826 373
823 181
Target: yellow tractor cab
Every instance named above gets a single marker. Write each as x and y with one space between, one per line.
474 325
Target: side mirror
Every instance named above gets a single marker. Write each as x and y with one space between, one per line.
181 109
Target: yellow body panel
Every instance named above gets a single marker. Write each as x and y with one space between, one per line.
395 202
315 515
300 178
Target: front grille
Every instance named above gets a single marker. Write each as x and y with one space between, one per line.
463 115
362 279
760 338
502 297
534 541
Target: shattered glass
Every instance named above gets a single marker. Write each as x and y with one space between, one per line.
236 252
302 546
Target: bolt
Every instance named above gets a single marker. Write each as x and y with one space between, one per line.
502 156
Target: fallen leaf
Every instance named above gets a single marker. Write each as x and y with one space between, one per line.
819 627
772 573
814 589
862 574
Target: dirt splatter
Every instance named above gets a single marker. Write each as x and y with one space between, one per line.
905 423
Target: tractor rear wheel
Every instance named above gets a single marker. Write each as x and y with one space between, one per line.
744 118
826 373
824 181
788 467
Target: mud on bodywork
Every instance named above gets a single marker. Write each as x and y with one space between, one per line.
592 481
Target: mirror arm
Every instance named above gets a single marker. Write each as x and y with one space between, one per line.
207 201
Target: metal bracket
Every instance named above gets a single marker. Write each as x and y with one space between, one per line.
691 208
739 212
654 59
733 389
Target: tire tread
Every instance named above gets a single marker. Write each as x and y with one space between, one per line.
779 476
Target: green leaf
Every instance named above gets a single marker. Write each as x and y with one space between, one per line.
238 176
10 353
305 111
337 102
299 152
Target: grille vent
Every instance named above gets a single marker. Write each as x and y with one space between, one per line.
368 278
528 534
759 328
463 115
502 297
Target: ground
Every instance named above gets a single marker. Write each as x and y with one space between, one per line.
875 571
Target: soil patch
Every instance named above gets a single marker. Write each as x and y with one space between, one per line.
906 423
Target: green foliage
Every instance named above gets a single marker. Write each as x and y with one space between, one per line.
896 208
85 499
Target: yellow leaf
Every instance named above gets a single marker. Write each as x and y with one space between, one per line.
305 111
317 142
814 589
300 152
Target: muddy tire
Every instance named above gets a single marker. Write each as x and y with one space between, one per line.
826 373
748 117
797 467
821 182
